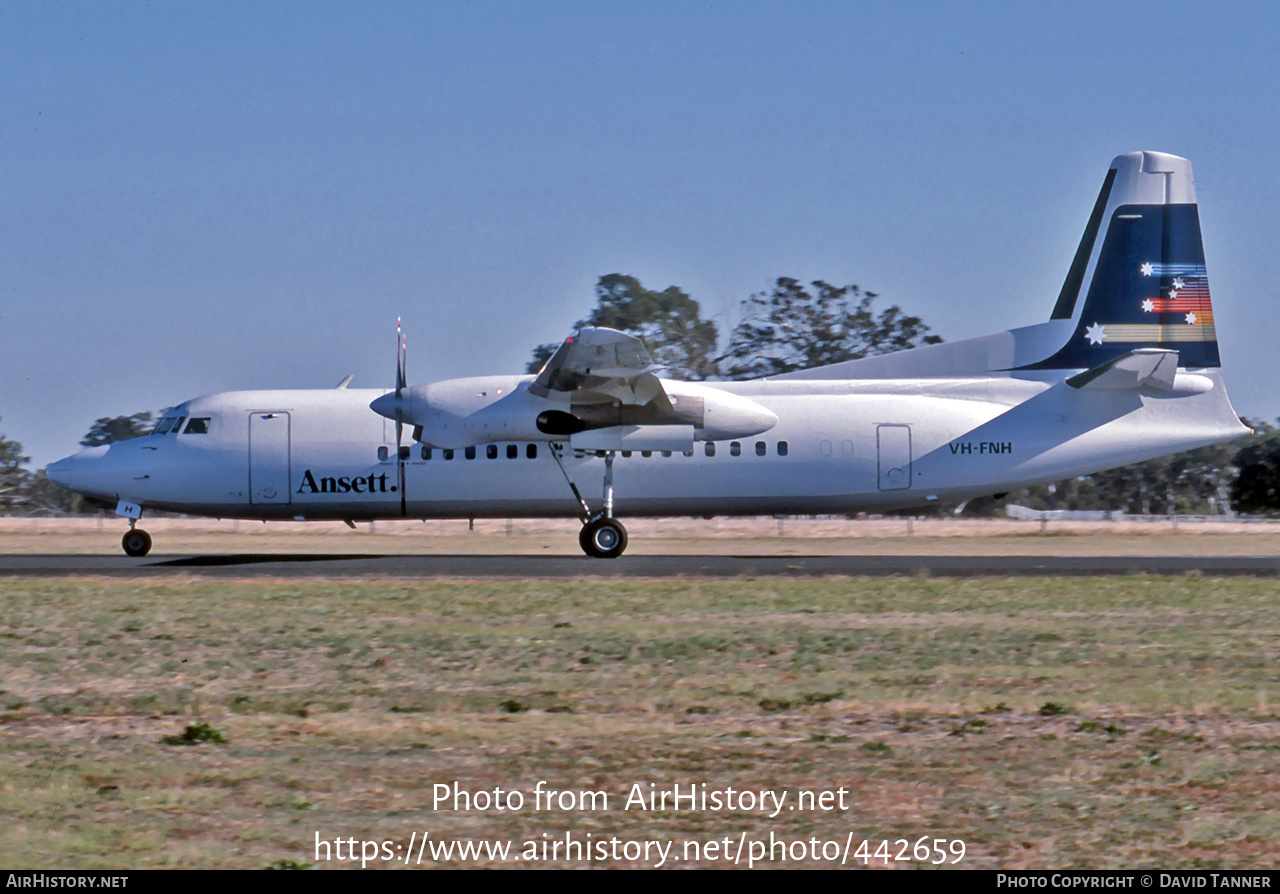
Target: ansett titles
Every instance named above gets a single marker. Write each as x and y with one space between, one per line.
970 447
359 484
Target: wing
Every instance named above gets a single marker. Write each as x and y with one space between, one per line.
602 365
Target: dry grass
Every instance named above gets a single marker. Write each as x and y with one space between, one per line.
1047 723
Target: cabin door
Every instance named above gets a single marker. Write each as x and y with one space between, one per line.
893 449
269 458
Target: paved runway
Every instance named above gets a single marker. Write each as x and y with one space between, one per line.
560 567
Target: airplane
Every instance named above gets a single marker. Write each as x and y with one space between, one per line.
1126 369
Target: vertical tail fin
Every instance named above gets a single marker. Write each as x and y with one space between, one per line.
1145 285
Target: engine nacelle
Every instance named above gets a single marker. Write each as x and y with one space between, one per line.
467 412
724 416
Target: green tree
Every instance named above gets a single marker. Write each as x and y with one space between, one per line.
110 429
668 322
1256 489
15 480
791 328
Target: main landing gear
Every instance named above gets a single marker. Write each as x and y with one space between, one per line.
136 542
602 536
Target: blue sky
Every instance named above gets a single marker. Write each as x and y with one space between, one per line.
204 197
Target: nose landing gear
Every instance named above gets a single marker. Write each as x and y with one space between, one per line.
136 542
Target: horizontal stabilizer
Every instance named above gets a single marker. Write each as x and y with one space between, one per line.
1145 367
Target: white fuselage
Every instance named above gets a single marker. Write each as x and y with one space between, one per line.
839 446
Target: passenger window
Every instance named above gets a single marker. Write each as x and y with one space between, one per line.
513 452
469 453
761 448
646 453
491 451
666 453
403 452
446 454
531 451
825 448
688 453
383 453
710 449
426 452
626 454
735 449
197 427
782 448
846 447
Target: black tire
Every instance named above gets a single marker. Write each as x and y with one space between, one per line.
603 538
136 543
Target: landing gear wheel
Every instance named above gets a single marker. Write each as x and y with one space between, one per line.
136 542
603 538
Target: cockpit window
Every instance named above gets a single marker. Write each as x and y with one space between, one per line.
173 425
197 426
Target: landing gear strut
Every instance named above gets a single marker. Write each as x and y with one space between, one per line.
136 542
602 536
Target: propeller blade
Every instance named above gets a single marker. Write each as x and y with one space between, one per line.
400 359
400 384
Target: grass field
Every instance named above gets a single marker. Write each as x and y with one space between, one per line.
1115 722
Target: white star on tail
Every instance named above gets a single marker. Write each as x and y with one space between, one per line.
1178 283
1148 305
1096 334
1146 269
1191 319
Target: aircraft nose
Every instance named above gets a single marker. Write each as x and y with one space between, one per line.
71 472
60 473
